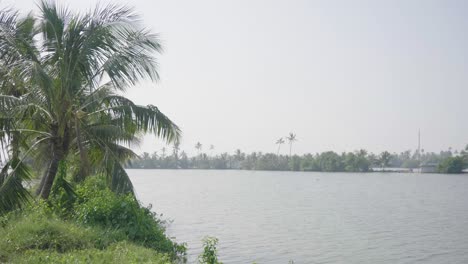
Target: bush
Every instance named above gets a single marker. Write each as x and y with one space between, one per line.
99 206
210 252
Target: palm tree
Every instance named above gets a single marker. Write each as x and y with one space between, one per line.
279 142
61 73
211 149
198 146
291 138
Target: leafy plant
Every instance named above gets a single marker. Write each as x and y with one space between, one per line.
210 251
97 205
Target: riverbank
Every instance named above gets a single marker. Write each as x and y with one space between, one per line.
90 224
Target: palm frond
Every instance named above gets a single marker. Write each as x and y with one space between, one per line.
147 119
13 194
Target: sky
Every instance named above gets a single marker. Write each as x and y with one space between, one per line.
342 75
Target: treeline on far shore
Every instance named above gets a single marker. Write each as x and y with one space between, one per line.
358 161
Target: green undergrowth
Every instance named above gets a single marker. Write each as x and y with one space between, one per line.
121 252
90 225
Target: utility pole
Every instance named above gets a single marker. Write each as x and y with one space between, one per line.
419 147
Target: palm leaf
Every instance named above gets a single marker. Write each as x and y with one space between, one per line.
13 194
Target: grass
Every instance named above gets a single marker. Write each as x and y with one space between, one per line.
121 252
95 226
34 236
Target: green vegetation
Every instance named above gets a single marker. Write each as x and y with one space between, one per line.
329 161
62 122
60 77
210 251
98 205
452 165
96 224
121 252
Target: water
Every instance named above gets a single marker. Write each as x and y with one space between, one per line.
274 217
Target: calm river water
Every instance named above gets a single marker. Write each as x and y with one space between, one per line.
275 217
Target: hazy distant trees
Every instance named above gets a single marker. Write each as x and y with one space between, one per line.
464 154
357 161
175 153
452 165
328 161
384 159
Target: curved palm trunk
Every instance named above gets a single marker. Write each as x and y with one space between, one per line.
84 164
59 149
57 156
41 184
277 152
50 177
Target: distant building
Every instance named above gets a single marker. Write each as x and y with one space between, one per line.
430 167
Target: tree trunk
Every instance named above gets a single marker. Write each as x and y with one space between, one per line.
43 179
84 164
50 177
59 147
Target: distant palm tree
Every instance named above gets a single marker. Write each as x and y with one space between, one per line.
291 138
279 142
198 146
211 149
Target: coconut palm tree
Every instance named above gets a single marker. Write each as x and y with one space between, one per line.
61 74
211 149
198 146
291 138
279 142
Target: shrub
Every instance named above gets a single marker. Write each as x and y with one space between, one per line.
99 206
210 252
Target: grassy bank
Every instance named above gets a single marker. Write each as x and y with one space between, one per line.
88 225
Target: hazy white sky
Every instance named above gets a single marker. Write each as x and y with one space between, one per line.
342 75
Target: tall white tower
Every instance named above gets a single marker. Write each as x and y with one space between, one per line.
419 146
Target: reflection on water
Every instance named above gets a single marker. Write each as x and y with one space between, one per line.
274 217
